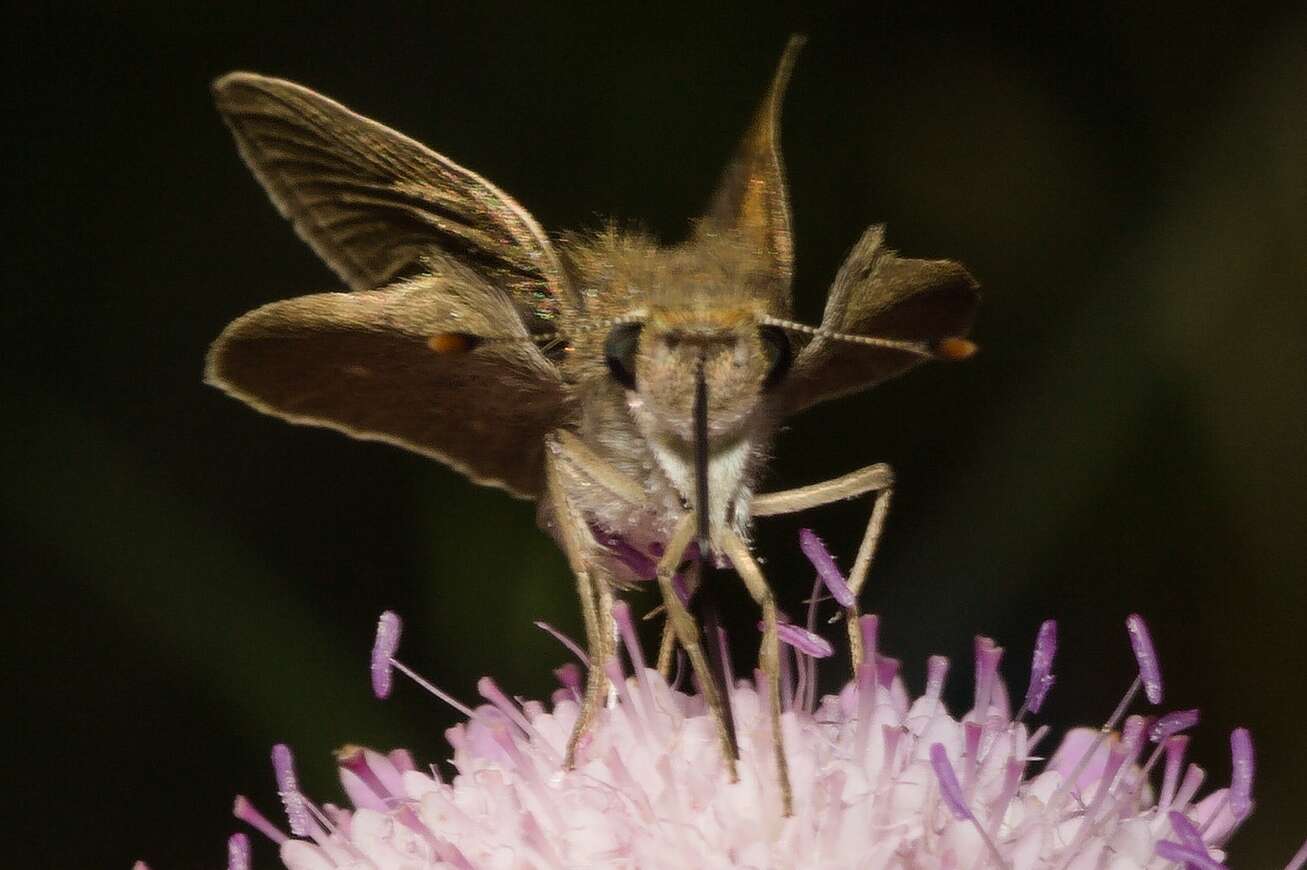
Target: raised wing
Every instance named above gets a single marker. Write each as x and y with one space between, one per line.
752 202
372 202
365 364
880 294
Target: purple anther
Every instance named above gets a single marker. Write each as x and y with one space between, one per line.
949 788
283 767
1187 856
639 563
827 570
1146 655
389 629
1241 785
1041 666
1184 829
1173 723
238 852
801 639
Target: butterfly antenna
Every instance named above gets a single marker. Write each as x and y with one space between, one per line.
952 349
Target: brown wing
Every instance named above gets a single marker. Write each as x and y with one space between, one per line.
752 201
372 202
360 363
878 293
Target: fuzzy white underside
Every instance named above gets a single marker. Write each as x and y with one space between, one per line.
726 478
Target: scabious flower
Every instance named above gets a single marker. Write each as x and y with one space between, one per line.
881 778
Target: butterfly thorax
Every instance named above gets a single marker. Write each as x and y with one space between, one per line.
657 320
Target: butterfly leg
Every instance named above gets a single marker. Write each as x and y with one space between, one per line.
769 654
667 648
579 546
687 634
570 461
877 478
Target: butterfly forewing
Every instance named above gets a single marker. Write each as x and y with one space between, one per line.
373 203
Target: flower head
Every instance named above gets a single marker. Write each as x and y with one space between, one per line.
881 778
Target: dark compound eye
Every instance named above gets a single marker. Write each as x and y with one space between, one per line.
619 352
776 347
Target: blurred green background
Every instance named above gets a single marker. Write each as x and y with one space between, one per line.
189 582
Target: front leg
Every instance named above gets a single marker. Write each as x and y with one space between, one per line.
687 634
878 478
567 459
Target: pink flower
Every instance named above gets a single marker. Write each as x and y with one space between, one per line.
881 779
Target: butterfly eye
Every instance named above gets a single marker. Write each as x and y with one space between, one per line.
619 352
776 347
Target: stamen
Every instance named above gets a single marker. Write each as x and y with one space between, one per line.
1149 675
447 698
806 688
569 676
1186 832
802 640
1188 857
1041 669
936 671
1172 723
1175 749
1012 772
1161 733
827 570
489 689
951 792
283 767
247 813
389 629
565 641
1241 786
1132 735
988 655
622 616
1299 859
869 628
1193 780
971 734
640 564
1146 655
887 669
238 852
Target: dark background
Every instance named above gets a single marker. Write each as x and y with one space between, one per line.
189 582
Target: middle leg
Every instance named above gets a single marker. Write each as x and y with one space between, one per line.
878 478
